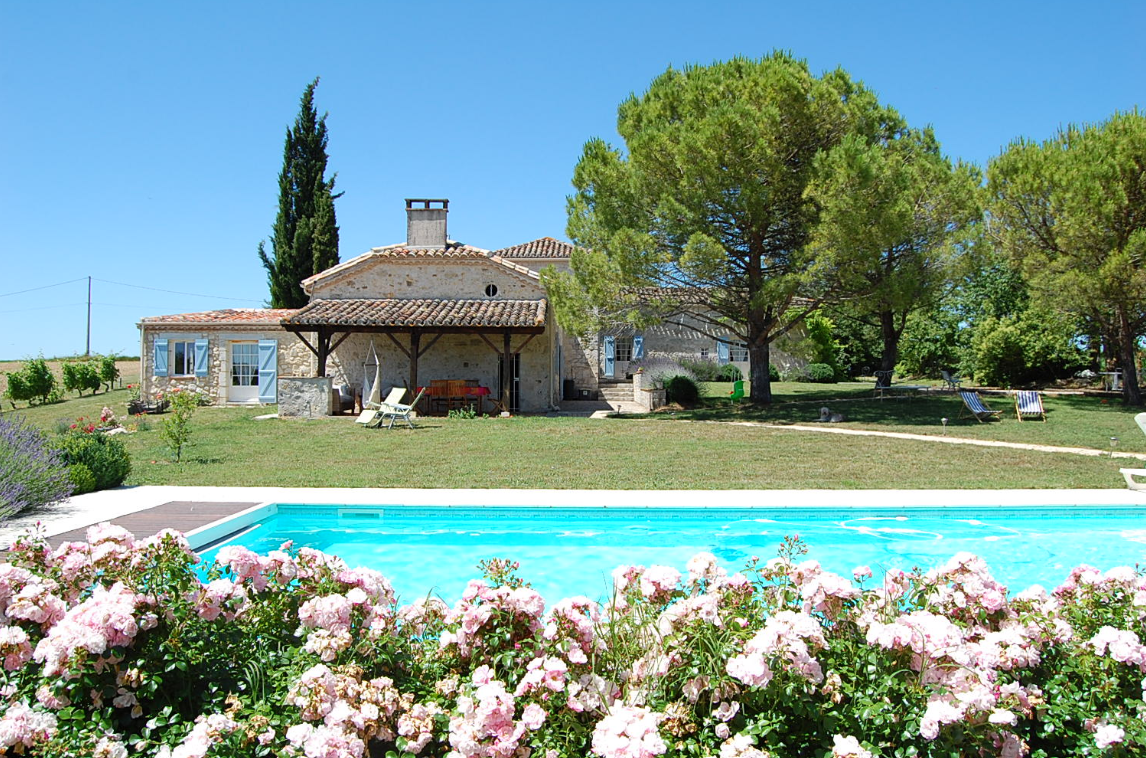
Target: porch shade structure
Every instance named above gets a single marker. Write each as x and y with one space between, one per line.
332 321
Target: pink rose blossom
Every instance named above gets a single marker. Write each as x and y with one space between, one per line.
1107 735
848 747
628 732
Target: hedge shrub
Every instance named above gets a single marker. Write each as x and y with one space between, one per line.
820 373
729 372
682 390
117 647
105 458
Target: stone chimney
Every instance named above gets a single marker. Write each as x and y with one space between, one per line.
426 222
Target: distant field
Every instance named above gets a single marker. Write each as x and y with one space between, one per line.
128 371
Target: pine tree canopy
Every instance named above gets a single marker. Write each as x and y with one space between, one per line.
304 239
706 205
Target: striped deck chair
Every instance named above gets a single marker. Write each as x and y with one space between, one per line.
1029 403
973 405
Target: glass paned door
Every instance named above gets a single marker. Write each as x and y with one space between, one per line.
244 386
514 380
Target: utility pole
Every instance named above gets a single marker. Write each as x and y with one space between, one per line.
88 348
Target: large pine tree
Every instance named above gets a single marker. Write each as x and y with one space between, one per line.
304 240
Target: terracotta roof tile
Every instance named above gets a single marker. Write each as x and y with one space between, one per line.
546 247
269 316
453 251
422 313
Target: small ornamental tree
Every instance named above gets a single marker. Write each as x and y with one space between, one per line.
176 431
108 371
34 381
80 376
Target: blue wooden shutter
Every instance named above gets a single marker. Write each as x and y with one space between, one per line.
610 354
638 347
160 367
268 371
200 357
721 352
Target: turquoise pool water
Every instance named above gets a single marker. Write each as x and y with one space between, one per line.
571 551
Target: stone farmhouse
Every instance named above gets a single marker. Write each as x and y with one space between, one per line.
429 308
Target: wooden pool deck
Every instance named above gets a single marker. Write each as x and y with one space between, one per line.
181 515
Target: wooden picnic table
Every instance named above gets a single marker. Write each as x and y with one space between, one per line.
454 393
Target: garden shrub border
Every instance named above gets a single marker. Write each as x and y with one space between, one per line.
114 643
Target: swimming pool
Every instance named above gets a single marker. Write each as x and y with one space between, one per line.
571 551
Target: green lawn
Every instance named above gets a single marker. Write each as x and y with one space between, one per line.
1072 420
661 451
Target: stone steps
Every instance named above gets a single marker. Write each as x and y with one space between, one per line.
616 392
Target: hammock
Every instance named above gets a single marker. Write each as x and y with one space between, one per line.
372 385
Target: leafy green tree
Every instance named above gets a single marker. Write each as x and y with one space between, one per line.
1027 346
891 214
1072 213
304 240
703 219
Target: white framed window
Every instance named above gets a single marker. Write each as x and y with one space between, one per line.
624 349
704 353
182 358
738 352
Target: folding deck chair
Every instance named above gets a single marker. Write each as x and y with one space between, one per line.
399 411
973 405
372 417
1029 403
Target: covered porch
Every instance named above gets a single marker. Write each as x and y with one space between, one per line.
457 349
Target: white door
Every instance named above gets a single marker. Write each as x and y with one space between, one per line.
244 385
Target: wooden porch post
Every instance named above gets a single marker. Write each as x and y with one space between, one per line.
323 350
415 343
506 371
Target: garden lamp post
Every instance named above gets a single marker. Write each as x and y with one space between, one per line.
1113 445
944 420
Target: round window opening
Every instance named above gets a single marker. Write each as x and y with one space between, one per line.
490 290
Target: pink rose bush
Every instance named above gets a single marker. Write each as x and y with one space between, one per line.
116 646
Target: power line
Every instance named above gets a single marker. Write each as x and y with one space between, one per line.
45 307
46 286
175 292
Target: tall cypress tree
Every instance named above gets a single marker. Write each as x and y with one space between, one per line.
304 239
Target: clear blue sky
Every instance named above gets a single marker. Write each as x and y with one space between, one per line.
140 142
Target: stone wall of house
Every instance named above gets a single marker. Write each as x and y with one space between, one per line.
464 278
453 356
671 342
580 360
294 358
536 264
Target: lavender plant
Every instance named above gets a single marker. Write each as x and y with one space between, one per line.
32 472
